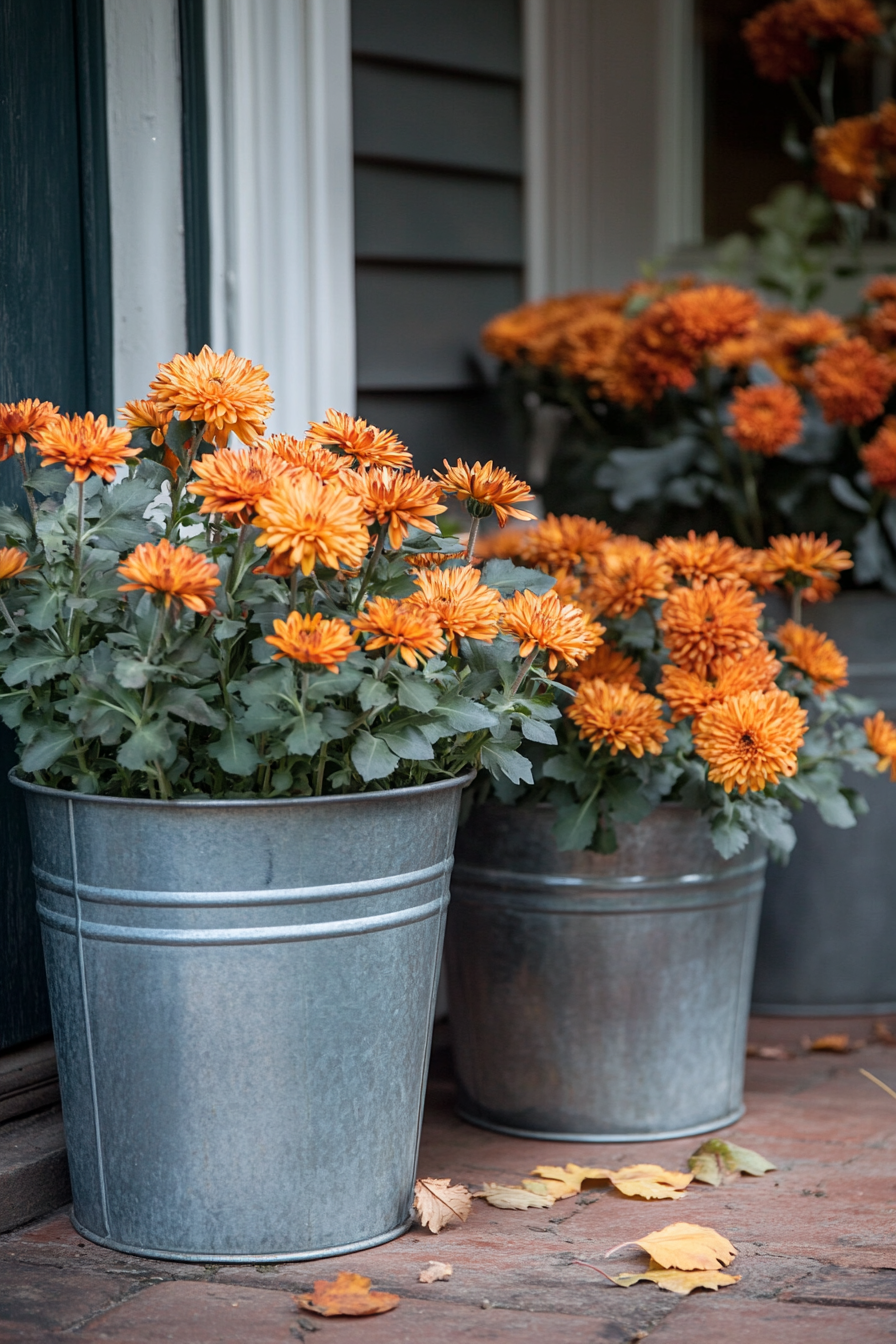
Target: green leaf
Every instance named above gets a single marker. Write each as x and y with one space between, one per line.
463 715
35 669
728 836
188 704
372 758
407 742
835 810
416 694
373 694
151 742
568 767
13 525
44 608
626 800
121 525
574 827
534 730
50 480
509 578
235 754
263 718
46 748
306 736
501 758
335 722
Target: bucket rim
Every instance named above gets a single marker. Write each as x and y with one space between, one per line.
412 790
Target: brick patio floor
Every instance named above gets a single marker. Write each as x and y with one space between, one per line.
815 1238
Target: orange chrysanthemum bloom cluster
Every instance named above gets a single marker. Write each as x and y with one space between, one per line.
12 562
779 36
232 483
304 520
606 664
434 559
312 640
852 381
148 414
857 155
784 340
881 734
813 654
695 559
766 420
486 489
309 456
84 444
559 545
807 563
20 421
226 394
688 694
541 621
463 605
621 717
369 446
630 573
396 500
879 457
402 627
751 740
506 543
702 625
178 573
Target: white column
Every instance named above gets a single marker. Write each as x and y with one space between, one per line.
612 161
280 186
145 189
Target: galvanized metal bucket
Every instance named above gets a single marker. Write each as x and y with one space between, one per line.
600 997
242 998
827 937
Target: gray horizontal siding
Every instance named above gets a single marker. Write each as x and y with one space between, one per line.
466 423
481 35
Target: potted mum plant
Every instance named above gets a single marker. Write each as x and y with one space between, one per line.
696 406
604 917
248 693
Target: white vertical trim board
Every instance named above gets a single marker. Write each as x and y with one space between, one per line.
149 306
280 188
679 211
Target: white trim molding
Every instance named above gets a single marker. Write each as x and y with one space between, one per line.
143 116
280 189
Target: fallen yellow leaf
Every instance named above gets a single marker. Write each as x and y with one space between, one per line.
650 1182
562 1182
514 1196
681 1281
685 1246
837 1041
346 1295
435 1272
437 1203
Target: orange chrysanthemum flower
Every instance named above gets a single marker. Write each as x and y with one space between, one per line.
463 605
232 483
696 559
310 456
20 421
766 420
606 664
852 381
558 545
879 457
807 563
689 695
433 559
83 445
503 544
312 640
882 289
624 719
403 627
881 734
178 572
847 160
541 621
778 36
12 562
816 656
705 315
717 620
397 501
486 489
369 446
147 414
751 740
631 573
304 520
227 394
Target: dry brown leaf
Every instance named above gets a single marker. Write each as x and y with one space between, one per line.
685 1246
769 1052
437 1203
647 1181
837 1041
435 1272
883 1035
346 1295
681 1281
562 1182
716 1162
515 1196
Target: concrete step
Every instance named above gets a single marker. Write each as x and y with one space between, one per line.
28 1080
33 1167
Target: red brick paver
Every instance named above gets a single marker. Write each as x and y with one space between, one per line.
816 1241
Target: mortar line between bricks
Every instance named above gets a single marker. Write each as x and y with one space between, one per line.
104 1311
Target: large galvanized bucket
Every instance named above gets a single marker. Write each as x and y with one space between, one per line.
242 998
600 997
827 938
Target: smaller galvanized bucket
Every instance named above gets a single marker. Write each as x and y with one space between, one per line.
242 998
598 997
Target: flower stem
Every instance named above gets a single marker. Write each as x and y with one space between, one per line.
796 605
752 497
76 553
319 783
29 495
371 565
306 677
14 629
717 439
293 588
471 539
524 670
805 101
826 88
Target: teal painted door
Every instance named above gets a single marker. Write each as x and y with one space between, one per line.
55 340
